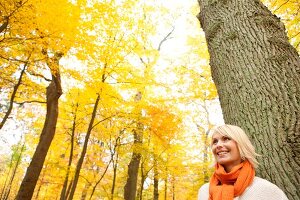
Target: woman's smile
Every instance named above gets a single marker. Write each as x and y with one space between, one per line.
225 151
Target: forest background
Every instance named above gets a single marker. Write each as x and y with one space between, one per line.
134 87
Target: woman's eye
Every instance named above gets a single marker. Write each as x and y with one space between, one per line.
214 141
226 138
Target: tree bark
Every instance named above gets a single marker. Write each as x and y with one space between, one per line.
63 194
130 187
155 181
257 74
53 93
115 163
99 180
84 149
13 95
133 168
139 195
14 173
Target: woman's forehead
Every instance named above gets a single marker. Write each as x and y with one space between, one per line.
218 135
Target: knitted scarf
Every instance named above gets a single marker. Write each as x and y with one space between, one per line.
226 186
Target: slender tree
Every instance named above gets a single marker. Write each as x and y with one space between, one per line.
84 149
257 74
63 194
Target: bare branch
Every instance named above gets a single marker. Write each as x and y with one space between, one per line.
165 38
39 75
33 101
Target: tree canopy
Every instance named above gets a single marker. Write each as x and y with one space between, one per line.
102 55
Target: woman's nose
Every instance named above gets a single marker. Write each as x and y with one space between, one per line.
219 144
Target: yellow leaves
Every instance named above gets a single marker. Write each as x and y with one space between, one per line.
200 50
59 20
288 11
110 50
161 123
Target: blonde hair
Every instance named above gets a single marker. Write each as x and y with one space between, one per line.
247 150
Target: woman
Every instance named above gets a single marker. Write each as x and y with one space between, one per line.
234 176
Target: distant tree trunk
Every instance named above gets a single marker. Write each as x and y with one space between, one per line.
166 182
4 186
69 189
54 91
63 194
7 189
166 188
95 186
133 167
84 149
85 191
205 157
155 185
13 96
173 189
143 178
257 74
115 167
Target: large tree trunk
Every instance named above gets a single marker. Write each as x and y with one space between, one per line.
54 91
257 74
133 168
130 187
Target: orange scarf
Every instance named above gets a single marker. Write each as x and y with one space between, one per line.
226 186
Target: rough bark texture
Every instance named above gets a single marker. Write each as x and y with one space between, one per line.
257 74
28 184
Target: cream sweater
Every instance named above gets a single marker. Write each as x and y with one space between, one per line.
260 189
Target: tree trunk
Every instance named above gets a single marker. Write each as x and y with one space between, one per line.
97 183
173 189
54 91
143 178
130 187
85 191
63 194
133 168
115 167
84 149
166 187
13 96
14 173
257 74
155 185
4 186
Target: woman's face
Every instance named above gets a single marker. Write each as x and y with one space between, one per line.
226 151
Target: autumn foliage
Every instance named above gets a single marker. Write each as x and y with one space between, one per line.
99 55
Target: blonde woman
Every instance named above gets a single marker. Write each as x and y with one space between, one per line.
234 176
